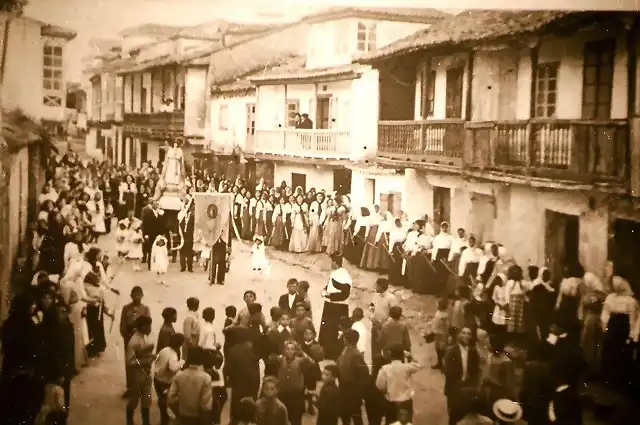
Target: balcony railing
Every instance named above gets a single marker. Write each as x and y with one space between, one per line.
577 150
306 143
430 141
155 126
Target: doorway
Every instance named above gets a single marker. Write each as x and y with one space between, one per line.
298 179
623 251
370 191
323 113
162 153
483 215
441 207
342 181
144 152
562 237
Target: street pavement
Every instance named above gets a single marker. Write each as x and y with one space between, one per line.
96 391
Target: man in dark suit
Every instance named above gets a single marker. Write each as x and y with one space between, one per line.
354 374
218 260
151 228
288 301
186 221
462 370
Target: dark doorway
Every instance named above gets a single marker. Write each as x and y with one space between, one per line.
342 181
144 151
323 113
298 179
441 206
562 239
162 153
623 251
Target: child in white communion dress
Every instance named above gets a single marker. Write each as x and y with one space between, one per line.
135 247
259 261
160 258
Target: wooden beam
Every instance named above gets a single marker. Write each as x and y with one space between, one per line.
469 94
151 93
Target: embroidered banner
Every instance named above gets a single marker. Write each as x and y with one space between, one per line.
213 217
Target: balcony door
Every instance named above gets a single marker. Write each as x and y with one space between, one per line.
598 79
323 113
251 121
298 179
455 78
342 181
623 251
441 206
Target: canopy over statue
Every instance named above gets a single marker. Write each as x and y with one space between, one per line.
171 187
212 217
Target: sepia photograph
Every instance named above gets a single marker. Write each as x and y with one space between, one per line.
319 212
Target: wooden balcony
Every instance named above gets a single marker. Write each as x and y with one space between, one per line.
329 144
438 142
574 150
154 126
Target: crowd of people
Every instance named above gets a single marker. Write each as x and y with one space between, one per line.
493 317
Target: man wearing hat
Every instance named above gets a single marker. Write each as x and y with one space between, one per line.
507 412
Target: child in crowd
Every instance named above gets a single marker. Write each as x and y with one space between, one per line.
312 374
208 340
269 408
356 318
404 418
300 322
275 313
53 411
441 325
394 332
140 358
247 412
135 247
166 366
230 313
259 261
400 370
279 335
212 365
303 291
293 364
169 317
191 326
160 258
329 398
122 241
130 313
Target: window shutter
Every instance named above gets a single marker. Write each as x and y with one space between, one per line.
384 202
334 114
397 203
345 108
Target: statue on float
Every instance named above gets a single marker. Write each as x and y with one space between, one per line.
172 188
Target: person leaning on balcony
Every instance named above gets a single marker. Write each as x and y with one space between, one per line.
305 122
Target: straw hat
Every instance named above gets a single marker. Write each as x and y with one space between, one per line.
507 411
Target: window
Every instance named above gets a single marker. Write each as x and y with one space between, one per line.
546 90
223 118
598 79
366 37
454 92
293 108
143 100
428 88
52 75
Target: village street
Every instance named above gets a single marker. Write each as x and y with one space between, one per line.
96 391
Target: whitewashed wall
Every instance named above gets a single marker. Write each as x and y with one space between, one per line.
318 177
235 134
195 101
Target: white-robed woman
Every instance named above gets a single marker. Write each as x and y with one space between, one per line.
336 305
300 231
314 244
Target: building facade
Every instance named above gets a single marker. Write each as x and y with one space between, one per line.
339 97
33 93
519 134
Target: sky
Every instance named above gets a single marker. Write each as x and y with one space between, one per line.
106 18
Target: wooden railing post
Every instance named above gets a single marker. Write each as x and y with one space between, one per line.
422 134
531 146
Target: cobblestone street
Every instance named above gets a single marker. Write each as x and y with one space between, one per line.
96 391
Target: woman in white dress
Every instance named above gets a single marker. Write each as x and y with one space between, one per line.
74 249
300 231
314 244
98 215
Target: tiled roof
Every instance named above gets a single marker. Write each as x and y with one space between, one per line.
153 30
408 14
242 85
295 70
473 25
52 30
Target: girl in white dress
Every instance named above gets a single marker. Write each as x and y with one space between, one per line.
135 247
98 215
160 258
259 261
122 241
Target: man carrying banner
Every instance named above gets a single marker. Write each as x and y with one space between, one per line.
186 227
212 220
